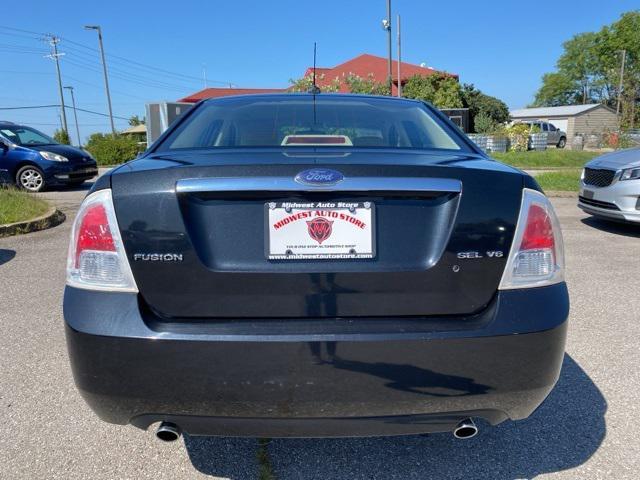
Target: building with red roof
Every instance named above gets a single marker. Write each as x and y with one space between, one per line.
364 66
226 92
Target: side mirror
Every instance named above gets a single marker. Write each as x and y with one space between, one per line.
4 148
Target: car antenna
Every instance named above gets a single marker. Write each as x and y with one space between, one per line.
314 88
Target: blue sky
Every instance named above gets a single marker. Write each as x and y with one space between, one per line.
503 47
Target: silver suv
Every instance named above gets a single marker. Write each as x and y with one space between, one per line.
555 136
610 186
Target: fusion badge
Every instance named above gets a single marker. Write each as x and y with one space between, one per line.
157 257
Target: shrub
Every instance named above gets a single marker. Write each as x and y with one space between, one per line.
485 124
110 149
519 136
61 136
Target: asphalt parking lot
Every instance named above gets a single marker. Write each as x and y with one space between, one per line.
587 428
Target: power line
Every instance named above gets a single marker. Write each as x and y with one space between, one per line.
141 65
28 107
84 57
41 124
19 46
76 80
12 49
102 114
21 30
128 77
118 58
22 72
89 84
91 64
19 35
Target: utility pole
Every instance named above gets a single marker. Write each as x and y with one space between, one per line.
53 41
399 59
204 74
75 114
387 27
104 68
624 58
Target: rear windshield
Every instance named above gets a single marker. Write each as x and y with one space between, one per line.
295 121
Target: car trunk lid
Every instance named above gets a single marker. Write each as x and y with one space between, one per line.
197 237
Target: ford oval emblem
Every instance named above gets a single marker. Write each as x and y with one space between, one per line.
319 177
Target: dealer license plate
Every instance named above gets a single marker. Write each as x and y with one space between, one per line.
319 230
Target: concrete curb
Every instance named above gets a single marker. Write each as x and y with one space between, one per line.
551 169
52 218
561 194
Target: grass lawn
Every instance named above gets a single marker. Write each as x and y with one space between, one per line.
16 206
551 158
566 181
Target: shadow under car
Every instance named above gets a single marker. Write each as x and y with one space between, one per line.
563 433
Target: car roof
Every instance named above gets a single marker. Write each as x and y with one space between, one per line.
6 123
310 96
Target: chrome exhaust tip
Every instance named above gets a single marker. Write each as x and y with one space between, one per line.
465 429
168 432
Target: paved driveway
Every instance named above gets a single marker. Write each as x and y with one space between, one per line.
586 429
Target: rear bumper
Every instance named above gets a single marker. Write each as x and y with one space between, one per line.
316 377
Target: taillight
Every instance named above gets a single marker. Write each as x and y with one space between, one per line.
97 259
536 258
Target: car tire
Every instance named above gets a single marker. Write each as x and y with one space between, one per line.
30 178
562 142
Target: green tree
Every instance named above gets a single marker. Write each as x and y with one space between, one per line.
623 35
61 136
480 103
109 149
441 90
588 70
134 120
305 84
557 89
366 86
579 63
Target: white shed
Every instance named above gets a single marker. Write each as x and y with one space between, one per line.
573 119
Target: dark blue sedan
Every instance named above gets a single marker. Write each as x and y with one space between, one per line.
34 161
315 266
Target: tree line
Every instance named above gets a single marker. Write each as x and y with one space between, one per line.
590 70
440 89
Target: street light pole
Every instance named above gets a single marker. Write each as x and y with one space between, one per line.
104 68
75 114
399 59
53 41
389 52
624 58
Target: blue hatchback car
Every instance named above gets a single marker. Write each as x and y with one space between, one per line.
33 160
